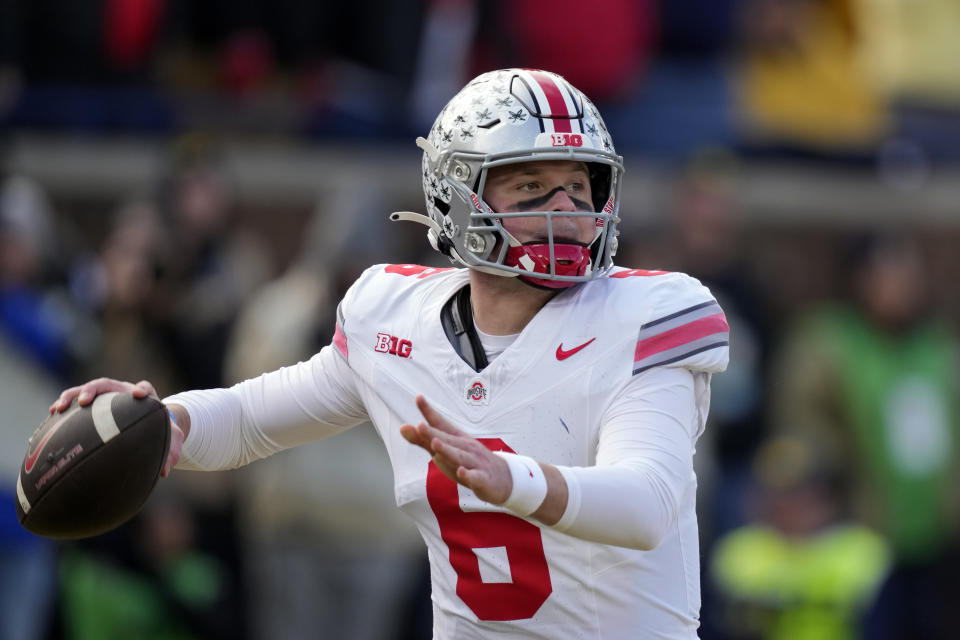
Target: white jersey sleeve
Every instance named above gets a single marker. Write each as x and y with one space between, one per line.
631 496
644 463
684 327
261 416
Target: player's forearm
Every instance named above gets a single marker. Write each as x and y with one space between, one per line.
621 506
644 470
612 505
259 417
555 503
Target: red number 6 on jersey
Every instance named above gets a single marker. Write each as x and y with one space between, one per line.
465 531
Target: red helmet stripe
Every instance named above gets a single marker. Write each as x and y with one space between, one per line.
558 106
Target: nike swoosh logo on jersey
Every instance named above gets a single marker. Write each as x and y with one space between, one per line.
563 355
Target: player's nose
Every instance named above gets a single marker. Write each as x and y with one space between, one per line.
561 201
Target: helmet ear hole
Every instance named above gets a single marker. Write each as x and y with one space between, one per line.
441 206
440 242
600 182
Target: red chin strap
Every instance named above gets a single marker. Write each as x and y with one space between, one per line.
571 260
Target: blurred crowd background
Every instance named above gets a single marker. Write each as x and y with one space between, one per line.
187 188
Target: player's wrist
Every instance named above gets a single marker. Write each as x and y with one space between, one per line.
179 417
574 494
529 483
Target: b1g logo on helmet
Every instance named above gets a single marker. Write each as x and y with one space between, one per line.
566 139
476 393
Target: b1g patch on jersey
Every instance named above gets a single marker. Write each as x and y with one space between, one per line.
393 345
476 393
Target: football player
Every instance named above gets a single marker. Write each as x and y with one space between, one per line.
540 407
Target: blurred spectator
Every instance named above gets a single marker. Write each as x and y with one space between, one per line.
328 554
34 314
803 570
67 43
655 68
802 82
444 57
158 65
131 312
874 381
324 547
683 102
88 65
27 562
130 30
212 265
150 579
285 320
361 86
37 352
612 44
704 236
909 51
215 263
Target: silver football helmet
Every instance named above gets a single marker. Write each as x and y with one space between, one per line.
505 117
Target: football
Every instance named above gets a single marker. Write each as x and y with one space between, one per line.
89 469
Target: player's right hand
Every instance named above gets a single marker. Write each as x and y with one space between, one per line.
86 392
460 457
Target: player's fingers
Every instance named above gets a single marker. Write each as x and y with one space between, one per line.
65 398
454 455
445 467
426 433
409 433
473 479
413 435
485 485
448 451
92 389
143 389
85 393
467 446
433 417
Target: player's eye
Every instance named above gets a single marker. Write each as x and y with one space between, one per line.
576 186
529 186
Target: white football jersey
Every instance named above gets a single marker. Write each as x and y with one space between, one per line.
496 574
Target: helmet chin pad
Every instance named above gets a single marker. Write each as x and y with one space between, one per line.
569 259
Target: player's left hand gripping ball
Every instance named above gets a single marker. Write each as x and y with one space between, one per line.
90 469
